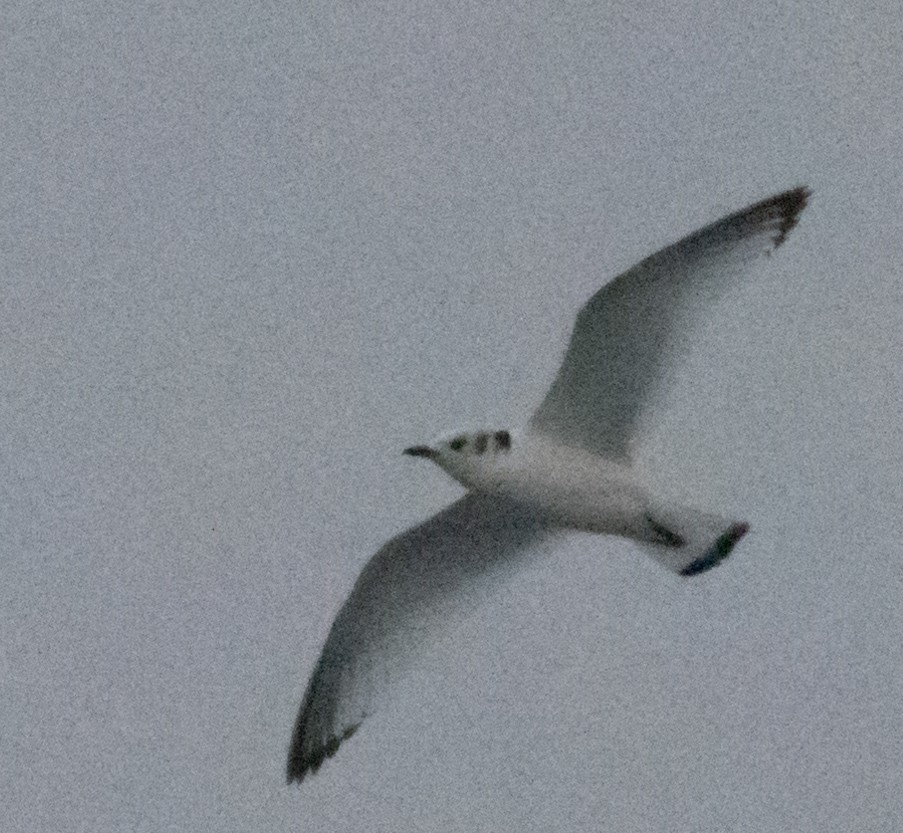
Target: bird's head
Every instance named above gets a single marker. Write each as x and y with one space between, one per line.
466 456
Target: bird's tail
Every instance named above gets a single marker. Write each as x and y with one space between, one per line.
688 541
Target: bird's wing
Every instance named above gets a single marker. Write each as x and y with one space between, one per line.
398 598
628 330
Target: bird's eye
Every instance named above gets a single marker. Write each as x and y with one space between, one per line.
458 443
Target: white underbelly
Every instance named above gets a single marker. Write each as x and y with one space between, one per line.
574 490
615 508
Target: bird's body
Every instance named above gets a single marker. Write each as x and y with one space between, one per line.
569 468
565 486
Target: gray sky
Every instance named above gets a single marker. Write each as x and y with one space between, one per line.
251 251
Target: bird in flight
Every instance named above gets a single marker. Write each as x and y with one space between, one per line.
568 468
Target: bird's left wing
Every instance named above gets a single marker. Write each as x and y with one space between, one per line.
633 327
398 600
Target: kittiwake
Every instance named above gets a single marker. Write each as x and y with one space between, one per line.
568 468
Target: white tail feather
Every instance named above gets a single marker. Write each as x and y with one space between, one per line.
694 541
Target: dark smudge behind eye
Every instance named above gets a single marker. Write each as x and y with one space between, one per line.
502 440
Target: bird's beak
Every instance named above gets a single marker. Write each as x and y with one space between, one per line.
420 451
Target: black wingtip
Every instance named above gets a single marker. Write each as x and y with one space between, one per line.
301 763
721 550
789 205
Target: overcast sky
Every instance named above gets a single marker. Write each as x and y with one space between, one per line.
249 252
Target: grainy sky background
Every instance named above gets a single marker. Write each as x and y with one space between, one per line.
251 251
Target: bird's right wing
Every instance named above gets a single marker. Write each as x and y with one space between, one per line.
399 597
635 326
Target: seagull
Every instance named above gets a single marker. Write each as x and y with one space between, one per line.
569 468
